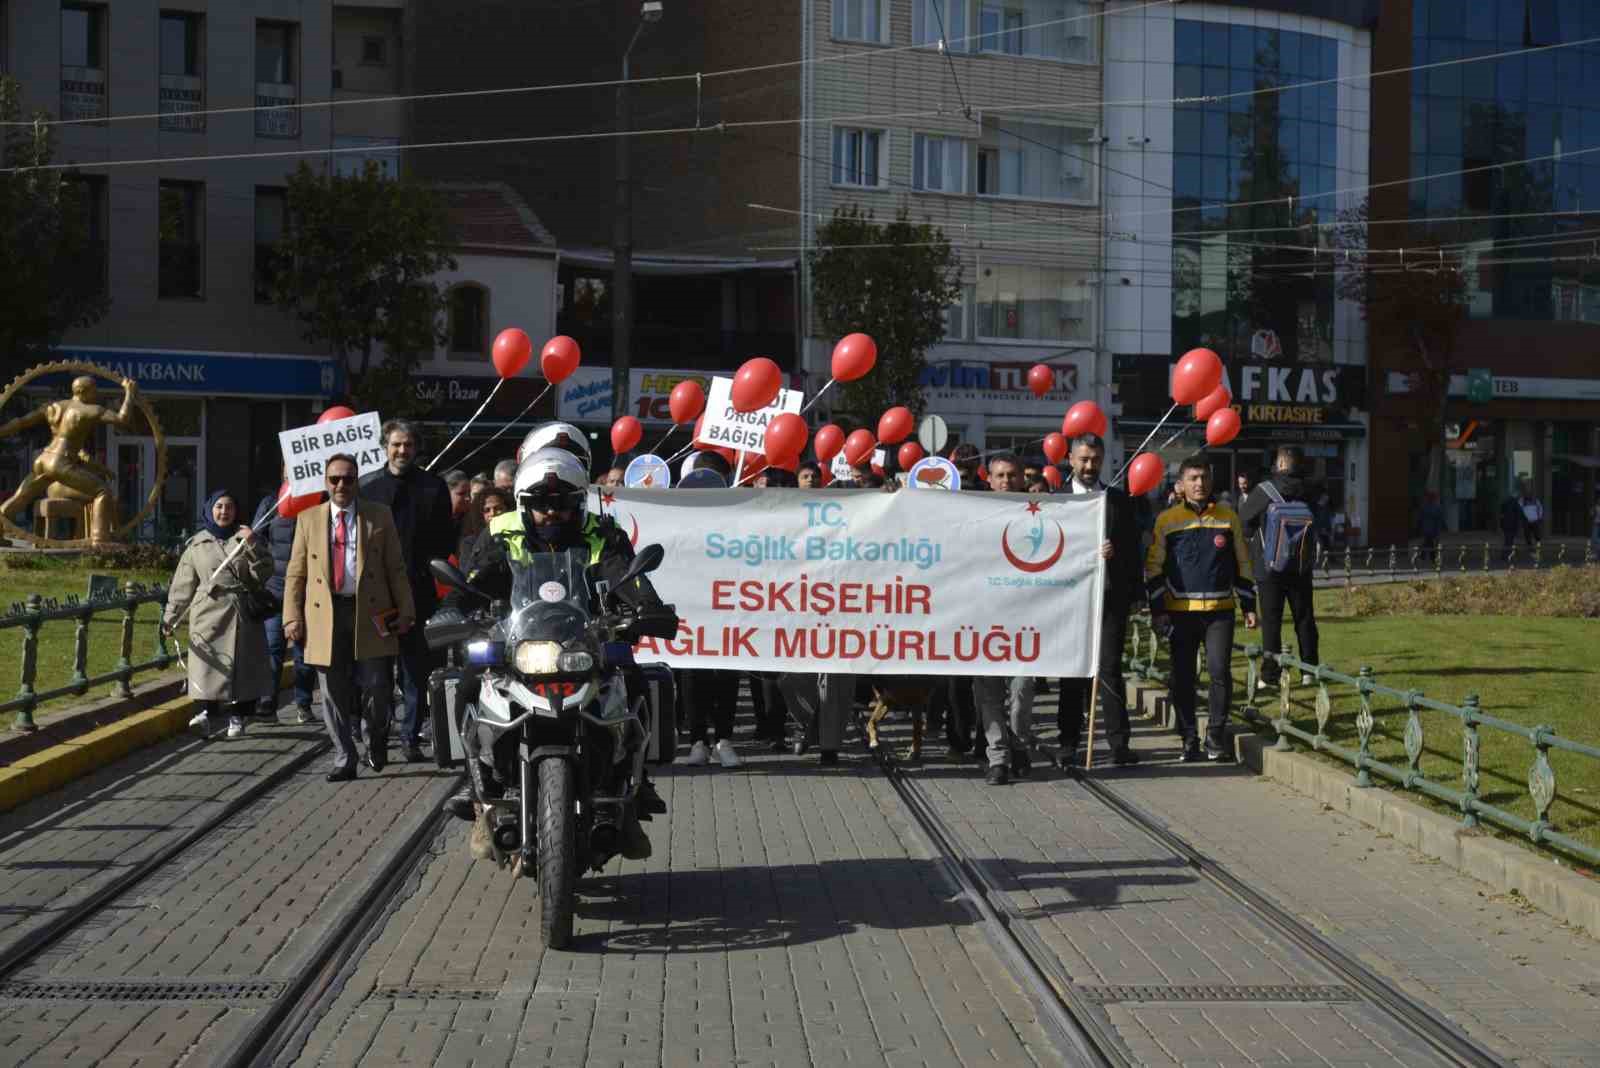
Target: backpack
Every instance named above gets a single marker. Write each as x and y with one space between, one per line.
1286 538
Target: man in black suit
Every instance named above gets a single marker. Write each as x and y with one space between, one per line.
1124 578
421 503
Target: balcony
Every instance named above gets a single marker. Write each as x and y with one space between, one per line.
83 93
181 98
280 117
683 348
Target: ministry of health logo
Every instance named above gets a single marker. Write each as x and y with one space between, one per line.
1026 552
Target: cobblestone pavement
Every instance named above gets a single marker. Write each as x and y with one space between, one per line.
243 906
790 916
1518 981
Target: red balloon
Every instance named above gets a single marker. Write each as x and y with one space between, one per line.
1217 398
440 588
1144 474
1041 379
511 353
289 507
1198 373
785 437
687 401
338 411
1085 417
1052 475
829 440
853 357
858 446
727 454
1222 427
559 358
895 425
825 475
756 384
909 454
749 465
1055 448
625 434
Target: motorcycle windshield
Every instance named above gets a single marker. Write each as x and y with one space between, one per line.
549 596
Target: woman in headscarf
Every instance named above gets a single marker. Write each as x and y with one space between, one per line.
229 669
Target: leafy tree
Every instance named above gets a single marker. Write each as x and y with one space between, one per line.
892 281
44 228
355 267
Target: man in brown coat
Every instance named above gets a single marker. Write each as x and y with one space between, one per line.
346 598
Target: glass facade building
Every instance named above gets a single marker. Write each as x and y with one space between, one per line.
1253 175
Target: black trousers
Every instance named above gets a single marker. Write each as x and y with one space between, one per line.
1271 594
1074 698
961 715
1190 631
712 698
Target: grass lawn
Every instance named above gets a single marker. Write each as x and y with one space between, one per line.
57 577
1531 671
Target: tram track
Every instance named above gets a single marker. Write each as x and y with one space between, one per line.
1084 1034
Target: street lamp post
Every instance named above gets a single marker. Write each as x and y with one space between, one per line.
622 253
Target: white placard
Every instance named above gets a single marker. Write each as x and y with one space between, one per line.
875 583
306 448
745 431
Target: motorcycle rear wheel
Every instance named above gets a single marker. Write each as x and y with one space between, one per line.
558 853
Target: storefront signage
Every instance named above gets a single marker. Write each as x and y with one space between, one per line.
585 397
1266 394
453 398
956 387
217 373
1506 386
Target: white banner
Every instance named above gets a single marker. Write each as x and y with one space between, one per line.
874 583
306 447
745 431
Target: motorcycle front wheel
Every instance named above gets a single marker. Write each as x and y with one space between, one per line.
558 853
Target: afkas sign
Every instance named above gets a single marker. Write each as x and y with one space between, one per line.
1292 393
980 386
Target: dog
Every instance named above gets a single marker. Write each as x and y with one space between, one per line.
909 694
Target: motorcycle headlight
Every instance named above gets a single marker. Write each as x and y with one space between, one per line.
537 658
576 663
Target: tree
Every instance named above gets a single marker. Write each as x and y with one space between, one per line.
45 229
892 281
1415 312
356 267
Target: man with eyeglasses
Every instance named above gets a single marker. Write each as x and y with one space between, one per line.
347 599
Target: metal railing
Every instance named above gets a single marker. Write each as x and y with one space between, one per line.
1541 781
30 615
1416 561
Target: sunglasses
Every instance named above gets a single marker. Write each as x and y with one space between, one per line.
335 480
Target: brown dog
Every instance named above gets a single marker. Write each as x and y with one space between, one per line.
909 694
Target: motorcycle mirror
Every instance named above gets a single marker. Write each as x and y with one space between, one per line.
648 560
451 576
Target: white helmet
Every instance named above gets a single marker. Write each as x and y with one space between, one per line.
560 436
552 479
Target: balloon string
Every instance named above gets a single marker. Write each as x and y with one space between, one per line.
1145 442
1186 427
548 387
440 454
283 495
810 403
671 431
680 452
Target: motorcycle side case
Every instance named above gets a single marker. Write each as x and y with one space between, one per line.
444 708
661 706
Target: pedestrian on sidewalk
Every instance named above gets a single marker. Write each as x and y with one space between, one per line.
1430 524
277 537
1532 509
1119 548
1510 524
1286 577
228 663
419 503
1005 706
347 597
1197 572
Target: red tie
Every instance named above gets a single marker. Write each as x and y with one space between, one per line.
340 540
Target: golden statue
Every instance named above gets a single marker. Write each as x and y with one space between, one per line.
66 470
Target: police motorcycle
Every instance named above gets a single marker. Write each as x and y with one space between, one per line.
555 738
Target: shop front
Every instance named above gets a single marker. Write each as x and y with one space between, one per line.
453 399
988 402
1318 406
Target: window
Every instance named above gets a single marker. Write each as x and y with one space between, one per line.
91 196
859 157
276 77
272 223
955 317
182 72
182 240
83 62
469 319
1043 29
861 20
1036 160
4 40
933 20
374 52
939 164
1020 303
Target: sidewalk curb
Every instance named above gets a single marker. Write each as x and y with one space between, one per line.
1503 866
50 769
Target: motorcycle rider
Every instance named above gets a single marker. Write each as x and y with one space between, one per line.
558 436
552 515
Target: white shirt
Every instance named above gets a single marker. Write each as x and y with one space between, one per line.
1078 487
334 512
